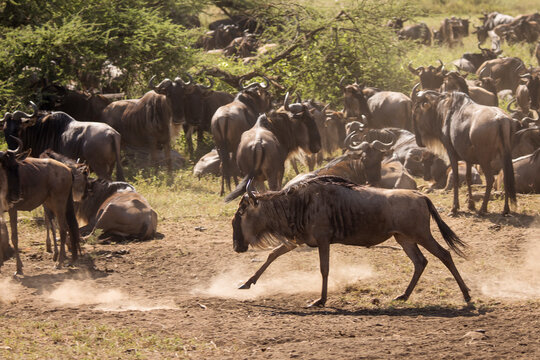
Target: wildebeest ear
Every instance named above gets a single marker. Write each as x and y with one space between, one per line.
23 155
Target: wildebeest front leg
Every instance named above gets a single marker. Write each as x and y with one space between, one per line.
15 240
419 261
324 259
455 177
277 252
488 173
468 179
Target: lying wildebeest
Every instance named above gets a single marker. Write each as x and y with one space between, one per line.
431 77
80 174
526 172
383 109
117 209
264 148
95 143
151 121
230 121
46 182
466 131
417 32
504 71
328 210
208 164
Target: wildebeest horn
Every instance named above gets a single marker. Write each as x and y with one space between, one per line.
286 102
341 86
509 106
208 86
34 109
19 146
349 142
249 190
4 118
414 92
441 68
151 82
325 108
480 46
266 82
413 70
244 87
190 79
377 144
527 75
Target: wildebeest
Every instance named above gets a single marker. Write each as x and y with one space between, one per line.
383 109
264 148
208 164
489 22
452 31
454 81
453 123
151 121
46 182
470 62
230 121
95 143
329 210
417 32
526 172
117 209
431 77
505 71
220 37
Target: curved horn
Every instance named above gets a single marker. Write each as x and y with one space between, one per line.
34 109
249 190
286 102
298 98
208 86
341 86
151 82
244 87
377 144
190 79
509 106
19 147
325 108
440 68
349 140
413 70
266 82
480 46
527 75
414 92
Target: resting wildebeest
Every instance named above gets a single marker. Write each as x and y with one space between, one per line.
117 209
328 210
526 172
46 182
383 109
420 32
264 148
95 143
431 77
453 123
151 121
230 121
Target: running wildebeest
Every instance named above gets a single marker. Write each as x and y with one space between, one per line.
328 210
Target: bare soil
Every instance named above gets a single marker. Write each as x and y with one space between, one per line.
177 297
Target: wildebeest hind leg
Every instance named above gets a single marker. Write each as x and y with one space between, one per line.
419 261
15 240
324 260
488 173
277 252
468 179
444 255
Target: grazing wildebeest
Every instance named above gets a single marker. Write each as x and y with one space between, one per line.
417 32
453 123
526 172
151 121
117 209
46 182
264 148
504 71
230 121
95 143
383 109
431 77
328 210
200 104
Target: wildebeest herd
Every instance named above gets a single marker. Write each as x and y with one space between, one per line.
364 196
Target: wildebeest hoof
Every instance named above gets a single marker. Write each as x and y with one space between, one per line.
55 256
317 303
401 298
245 286
58 266
18 274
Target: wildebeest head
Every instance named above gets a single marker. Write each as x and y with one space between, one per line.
244 222
454 81
13 123
533 84
255 93
10 189
431 77
354 100
307 135
175 91
194 99
426 122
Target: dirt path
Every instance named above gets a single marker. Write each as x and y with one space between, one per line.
177 297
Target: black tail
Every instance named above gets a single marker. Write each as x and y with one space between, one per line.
508 168
453 241
258 158
240 189
73 226
119 170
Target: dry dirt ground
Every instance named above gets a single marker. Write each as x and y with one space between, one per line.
176 297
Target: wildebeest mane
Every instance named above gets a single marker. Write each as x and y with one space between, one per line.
153 108
46 133
249 98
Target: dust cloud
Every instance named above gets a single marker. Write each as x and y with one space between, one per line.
86 292
9 290
519 280
279 280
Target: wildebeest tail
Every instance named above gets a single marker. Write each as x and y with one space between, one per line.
258 158
508 168
119 170
453 241
73 227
